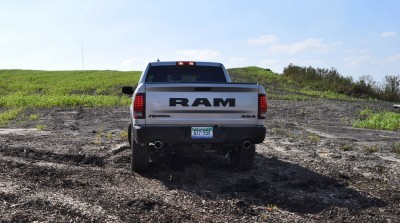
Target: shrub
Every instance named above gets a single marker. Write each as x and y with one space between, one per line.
331 80
380 120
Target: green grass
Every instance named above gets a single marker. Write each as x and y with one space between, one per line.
346 148
26 82
8 115
34 117
26 88
124 135
396 147
73 100
314 138
326 94
254 74
274 82
371 149
383 120
40 127
30 88
21 89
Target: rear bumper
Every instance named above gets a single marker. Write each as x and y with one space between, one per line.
182 135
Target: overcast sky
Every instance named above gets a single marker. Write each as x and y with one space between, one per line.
357 37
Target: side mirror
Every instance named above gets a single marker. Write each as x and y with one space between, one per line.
127 90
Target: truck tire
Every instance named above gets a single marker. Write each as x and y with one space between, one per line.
129 133
242 158
139 156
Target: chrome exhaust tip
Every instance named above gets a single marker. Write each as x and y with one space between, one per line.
158 144
247 144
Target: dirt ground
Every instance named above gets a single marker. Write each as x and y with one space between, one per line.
312 167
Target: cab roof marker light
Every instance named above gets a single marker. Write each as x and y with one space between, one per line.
185 63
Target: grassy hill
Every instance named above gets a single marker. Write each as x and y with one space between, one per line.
279 87
22 89
25 88
32 88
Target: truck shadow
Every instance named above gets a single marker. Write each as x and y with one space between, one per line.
272 182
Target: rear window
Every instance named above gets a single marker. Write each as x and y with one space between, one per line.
185 74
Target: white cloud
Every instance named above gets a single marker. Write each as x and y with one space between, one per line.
388 34
390 60
237 62
196 54
266 63
135 63
275 65
293 48
357 58
357 51
278 65
308 62
263 40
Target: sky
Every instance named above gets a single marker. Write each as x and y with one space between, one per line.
357 37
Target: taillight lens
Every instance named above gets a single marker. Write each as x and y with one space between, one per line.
262 106
139 106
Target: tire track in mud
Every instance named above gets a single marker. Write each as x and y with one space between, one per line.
45 197
46 189
37 155
74 174
51 205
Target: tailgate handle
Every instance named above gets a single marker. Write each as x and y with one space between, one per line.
202 89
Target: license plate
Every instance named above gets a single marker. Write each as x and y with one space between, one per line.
202 132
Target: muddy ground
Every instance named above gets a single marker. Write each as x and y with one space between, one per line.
312 167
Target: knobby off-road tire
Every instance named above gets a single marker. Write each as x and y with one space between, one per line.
139 156
242 158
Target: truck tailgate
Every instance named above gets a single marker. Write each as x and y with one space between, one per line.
205 104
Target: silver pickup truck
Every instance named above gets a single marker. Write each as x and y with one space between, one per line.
195 104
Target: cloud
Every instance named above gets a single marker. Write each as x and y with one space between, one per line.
357 58
390 60
357 51
135 63
237 62
278 65
267 63
294 48
197 54
388 34
263 40
275 65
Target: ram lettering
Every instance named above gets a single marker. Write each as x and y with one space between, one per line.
203 101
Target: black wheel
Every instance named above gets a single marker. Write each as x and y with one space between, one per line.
242 158
233 157
139 156
129 133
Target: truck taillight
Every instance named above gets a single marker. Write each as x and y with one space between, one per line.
185 63
139 106
262 106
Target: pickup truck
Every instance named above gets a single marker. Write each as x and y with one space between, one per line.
195 104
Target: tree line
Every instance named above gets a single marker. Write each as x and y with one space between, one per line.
331 80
